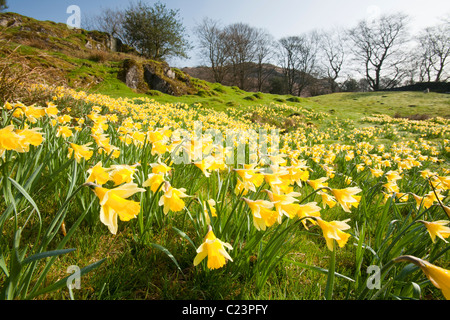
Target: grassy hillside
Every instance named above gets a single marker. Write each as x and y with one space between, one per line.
403 104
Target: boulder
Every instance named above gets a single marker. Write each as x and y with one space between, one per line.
153 75
132 74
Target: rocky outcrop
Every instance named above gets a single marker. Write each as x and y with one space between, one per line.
153 75
132 74
51 34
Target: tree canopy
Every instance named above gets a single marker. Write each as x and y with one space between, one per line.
3 5
156 32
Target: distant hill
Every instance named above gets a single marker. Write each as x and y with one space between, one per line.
272 77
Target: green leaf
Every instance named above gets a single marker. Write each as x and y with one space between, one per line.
167 252
3 266
46 254
417 292
26 195
63 282
185 236
318 269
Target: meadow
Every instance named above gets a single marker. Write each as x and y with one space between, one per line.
225 195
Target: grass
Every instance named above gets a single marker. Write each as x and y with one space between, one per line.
357 105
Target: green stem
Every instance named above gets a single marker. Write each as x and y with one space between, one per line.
331 270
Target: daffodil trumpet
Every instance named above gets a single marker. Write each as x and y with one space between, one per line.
438 276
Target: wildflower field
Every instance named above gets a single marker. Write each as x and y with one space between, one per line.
154 200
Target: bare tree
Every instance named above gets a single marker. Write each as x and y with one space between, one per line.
264 52
377 46
298 58
288 61
241 42
332 56
434 50
213 46
108 20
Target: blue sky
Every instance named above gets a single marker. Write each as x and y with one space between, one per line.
279 17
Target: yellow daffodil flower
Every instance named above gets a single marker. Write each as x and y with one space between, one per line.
308 210
64 131
172 198
80 151
318 183
438 276
346 197
154 181
214 249
334 231
114 204
284 203
30 137
98 174
437 228
9 139
211 204
122 173
263 216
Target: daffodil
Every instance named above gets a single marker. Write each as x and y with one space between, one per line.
30 137
204 165
308 210
278 179
98 174
122 173
243 187
298 174
51 110
153 181
9 139
80 151
114 204
250 175
346 197
172 198
392 176
263 215
64 119
438 276
427 200
159 148
391 186
333 230
376 172
445 182
160 167
214 249
64 131
33 113
211 204
284 203
447 210
327 199
437 228
318 183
